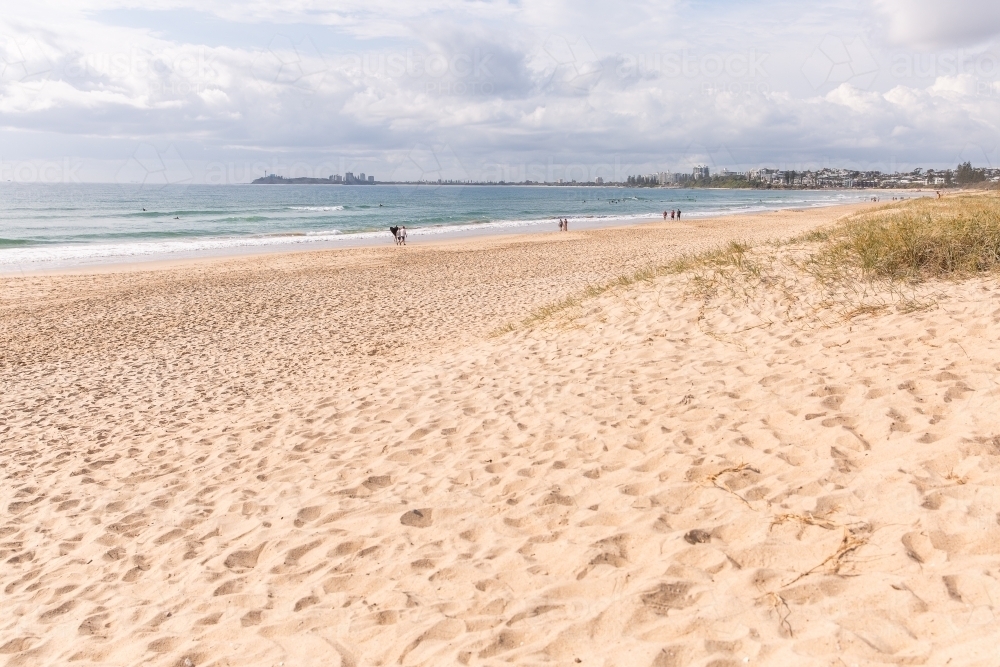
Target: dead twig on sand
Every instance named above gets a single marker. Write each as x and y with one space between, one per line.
808 519
849 543
714 479
778 603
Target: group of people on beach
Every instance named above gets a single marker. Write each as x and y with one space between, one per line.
399 233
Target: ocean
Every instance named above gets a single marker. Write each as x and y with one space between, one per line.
50 226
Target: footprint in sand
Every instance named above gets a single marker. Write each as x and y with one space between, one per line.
417 518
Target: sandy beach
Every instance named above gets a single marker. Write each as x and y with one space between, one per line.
397 456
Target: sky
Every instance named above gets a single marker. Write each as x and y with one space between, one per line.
179 91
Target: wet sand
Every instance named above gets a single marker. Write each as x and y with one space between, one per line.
333 458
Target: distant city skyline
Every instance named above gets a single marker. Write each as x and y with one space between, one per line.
220 92
701 175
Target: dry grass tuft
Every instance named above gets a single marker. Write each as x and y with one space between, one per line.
733 255
916 240
545 312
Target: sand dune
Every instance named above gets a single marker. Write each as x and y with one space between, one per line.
326 459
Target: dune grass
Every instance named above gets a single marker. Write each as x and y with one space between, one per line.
547 311
904 242
733 255
916 240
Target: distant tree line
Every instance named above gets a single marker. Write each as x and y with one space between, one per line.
642 181
965 174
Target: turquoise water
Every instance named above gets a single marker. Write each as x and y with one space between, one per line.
66 224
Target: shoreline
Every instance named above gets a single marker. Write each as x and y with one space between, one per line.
446 236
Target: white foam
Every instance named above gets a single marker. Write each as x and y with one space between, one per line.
40 256
97 251
94 252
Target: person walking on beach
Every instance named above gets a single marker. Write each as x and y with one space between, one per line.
402 235
565 224
395 234
664 215
678 214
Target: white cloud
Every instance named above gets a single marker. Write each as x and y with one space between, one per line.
857 100
961 85
214 97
